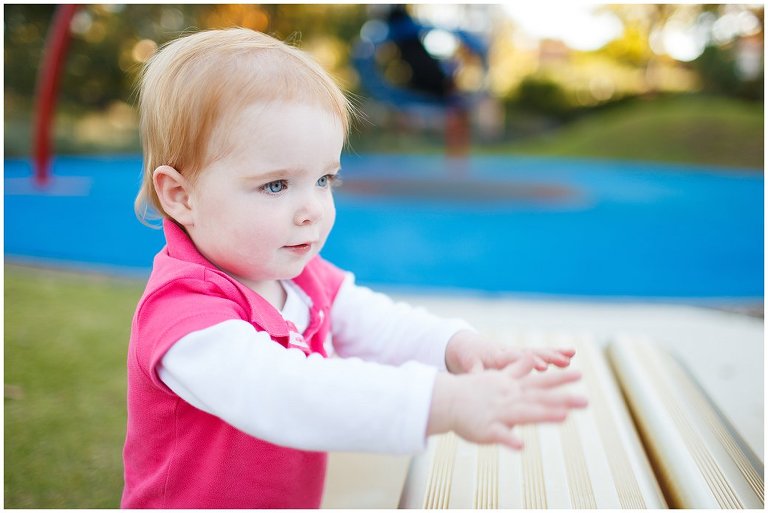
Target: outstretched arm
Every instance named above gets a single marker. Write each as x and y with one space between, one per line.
372 326
251 382
281 395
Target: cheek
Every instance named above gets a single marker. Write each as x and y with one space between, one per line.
331 214
208 206
235 210
234 226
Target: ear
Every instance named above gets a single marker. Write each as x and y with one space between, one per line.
173 190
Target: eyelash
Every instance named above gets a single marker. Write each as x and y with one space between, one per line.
333 180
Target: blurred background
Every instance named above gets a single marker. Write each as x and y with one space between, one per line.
544 71
525 150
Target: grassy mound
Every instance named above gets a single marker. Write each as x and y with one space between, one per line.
689 129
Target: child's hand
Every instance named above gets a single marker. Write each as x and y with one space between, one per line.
468 351
483 407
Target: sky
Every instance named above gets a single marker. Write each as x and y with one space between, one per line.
576 24
584 26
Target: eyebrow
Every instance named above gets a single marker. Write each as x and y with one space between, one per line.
278 174
269 176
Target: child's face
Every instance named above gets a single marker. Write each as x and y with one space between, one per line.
264 209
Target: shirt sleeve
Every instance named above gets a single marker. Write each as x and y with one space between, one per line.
371 326
177 309
280 395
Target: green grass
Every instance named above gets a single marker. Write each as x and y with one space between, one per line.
693 129
686 129
66 337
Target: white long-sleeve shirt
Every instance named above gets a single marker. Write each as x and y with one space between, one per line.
374 396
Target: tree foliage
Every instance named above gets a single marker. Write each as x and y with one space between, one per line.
103 57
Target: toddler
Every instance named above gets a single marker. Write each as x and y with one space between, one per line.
233 398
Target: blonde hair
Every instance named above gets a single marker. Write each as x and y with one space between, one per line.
193 82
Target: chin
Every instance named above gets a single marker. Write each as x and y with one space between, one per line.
294 271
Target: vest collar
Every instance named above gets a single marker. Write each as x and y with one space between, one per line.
263 314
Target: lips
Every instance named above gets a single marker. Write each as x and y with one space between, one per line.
300 248
301 245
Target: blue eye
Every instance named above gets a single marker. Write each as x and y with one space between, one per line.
329 180
275 187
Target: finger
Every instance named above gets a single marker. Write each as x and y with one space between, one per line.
553 398
541 358
528 413
555 356
501 434
476 367
539 363
550 379
501 357
466 362
564 357
521 367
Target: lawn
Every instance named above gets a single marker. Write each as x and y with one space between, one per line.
690 129
66 336
693 129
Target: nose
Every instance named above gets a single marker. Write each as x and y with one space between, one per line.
310 211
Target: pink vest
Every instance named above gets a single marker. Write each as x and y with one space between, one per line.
177 456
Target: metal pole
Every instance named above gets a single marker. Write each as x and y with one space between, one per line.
54 56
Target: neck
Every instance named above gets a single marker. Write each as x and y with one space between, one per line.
272 291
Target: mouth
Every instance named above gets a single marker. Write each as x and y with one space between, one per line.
300 248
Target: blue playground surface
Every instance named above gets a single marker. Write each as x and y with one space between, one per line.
524 226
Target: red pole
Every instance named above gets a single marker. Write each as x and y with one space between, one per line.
47 88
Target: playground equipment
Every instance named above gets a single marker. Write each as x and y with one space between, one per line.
54 55
430 83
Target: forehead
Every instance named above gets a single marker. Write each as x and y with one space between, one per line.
279 132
